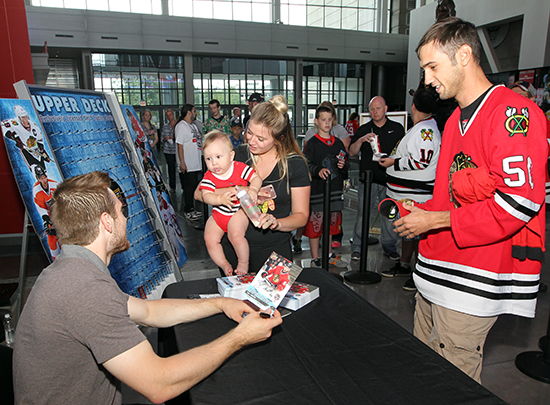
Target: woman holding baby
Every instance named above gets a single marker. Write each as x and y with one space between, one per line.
284 197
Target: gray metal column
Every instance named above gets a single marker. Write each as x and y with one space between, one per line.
298 95
381 78
367 85
87 70
188 74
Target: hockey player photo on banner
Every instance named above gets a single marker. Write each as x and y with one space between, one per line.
156 183
33 166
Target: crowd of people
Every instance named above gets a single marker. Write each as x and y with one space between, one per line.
468 206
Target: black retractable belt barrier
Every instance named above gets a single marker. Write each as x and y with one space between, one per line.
537 364
326 224
363 276
200 226
326 227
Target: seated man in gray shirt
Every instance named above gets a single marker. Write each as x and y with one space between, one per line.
77 336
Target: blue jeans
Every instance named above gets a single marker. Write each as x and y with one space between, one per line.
388 238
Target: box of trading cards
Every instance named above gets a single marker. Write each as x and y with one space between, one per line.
234 286
299 295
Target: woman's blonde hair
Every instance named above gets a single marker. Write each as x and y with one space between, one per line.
273 115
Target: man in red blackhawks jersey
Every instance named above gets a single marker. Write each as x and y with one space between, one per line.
483 231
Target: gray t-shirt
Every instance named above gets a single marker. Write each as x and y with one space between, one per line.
337 131
75 319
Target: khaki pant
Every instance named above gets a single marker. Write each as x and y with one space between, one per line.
456 336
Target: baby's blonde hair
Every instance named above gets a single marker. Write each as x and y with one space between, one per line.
215 135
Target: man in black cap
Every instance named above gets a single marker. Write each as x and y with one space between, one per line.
253 101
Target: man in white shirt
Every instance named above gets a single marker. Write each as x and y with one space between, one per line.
189 144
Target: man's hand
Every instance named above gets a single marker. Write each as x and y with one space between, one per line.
420 221
368 137
386 162
324 173
254 328
234 308
183 167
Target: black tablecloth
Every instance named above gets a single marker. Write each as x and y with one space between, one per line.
338 349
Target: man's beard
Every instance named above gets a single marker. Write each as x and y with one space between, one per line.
120 242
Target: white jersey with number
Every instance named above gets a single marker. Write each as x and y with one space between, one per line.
413 172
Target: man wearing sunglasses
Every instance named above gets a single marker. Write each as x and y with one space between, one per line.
77 337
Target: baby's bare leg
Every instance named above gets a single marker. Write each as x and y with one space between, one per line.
236 230
213 235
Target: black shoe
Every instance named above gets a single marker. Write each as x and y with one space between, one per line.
297 243
397 271
409 285
315 262
392 255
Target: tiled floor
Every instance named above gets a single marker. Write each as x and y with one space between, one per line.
510 336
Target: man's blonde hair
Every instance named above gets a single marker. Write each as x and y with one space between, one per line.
77 205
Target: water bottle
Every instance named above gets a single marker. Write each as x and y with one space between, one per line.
9 331
249 207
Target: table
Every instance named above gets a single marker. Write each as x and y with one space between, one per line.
338 349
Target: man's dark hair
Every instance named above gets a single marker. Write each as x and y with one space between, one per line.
184 110
449 35
425 100
214 101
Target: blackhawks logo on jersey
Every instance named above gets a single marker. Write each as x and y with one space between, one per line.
427 134
517 123
460 161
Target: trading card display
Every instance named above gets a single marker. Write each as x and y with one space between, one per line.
83 137
156 183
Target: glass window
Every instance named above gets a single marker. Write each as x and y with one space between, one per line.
314 16
349 19
367 20
223 10
261 12
237 66
168 80
347 14
180 8
332 17
202 9
119 5
97 5
151 97
242 11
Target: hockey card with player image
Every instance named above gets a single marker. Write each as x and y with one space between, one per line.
34 167
272 283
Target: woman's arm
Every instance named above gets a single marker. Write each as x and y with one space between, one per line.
299 212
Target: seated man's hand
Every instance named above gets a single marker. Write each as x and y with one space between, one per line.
255 328
234 308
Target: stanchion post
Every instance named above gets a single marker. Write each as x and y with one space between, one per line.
200 227
326 223
363 276
536 364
